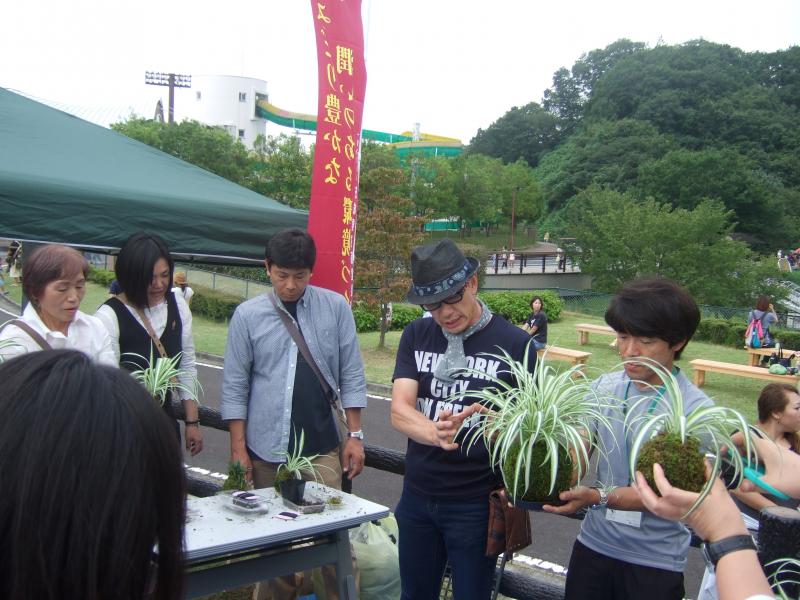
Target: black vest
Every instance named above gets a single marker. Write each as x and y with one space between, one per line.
134 339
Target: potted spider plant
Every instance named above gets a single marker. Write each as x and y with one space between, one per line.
539 428
160 377
784 577
289 482
673 438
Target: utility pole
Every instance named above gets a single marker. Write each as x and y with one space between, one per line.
171 80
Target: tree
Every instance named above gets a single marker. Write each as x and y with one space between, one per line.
622 239
210 148
524 133
387 231
281 169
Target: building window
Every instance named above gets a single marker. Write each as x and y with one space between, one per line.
242 96
241 134
198 95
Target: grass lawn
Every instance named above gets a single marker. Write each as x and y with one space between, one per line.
737 392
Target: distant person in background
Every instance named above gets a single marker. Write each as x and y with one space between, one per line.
148 319
55 283
114 289
536 323
13 258
92 481
182 288
765 313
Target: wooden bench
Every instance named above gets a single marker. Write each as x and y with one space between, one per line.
574 357
701 367
584 329
755 354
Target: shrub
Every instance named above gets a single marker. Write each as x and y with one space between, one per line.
367 317
102 277
515 306
731 333
403 314
214 304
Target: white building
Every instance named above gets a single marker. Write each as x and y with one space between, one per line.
225 100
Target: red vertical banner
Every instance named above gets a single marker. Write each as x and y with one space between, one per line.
334 183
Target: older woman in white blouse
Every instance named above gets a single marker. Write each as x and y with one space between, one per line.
148 318
54 280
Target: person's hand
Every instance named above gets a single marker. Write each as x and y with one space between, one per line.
353 457
716 517
574 499
194 439
782 466
449 425
244 459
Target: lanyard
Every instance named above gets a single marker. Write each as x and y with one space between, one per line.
659 395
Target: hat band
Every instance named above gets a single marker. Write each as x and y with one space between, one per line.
438 287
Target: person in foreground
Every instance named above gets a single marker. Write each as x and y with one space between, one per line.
54 280
443 511
92 481
624 551
148 319
270 393
718 522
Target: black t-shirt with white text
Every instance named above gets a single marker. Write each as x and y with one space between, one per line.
540 321
457 474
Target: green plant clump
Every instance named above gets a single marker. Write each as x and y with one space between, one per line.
296 464
236 477
682 463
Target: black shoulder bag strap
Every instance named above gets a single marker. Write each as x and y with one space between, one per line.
298 338
34 335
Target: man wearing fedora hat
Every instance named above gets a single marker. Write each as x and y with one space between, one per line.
443 512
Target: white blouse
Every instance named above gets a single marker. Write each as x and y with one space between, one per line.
85 333
157 315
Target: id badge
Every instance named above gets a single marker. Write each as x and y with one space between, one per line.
632 518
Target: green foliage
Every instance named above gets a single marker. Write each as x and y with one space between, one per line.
102 277
214 304
237 479
211 148
367 316
731 333
515 306
281 169
403 314
525 133
296 465
623 239
683 462
160 376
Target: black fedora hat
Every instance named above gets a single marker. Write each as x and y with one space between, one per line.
438 270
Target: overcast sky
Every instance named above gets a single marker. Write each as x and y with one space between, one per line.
452 65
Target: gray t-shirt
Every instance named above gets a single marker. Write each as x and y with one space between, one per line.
656 542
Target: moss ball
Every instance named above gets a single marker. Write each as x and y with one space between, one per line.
539 488
682 463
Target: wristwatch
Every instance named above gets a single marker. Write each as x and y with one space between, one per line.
603 498
713 551
359 435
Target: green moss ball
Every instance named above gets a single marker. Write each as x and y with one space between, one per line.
539 488
682 463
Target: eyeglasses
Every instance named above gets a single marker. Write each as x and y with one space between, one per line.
454 299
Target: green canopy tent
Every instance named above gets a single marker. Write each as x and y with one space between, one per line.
66 180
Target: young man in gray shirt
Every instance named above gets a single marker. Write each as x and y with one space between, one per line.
623 551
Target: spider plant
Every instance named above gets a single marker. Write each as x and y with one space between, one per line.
540 428
160 377
673 438
289 481
785 578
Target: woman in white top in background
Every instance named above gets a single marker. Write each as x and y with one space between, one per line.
54 280
144 271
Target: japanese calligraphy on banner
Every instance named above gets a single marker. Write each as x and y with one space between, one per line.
334 183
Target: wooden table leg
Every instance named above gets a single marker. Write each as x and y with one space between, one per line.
699 377
754 359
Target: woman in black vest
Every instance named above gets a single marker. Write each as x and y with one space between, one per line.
144 272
